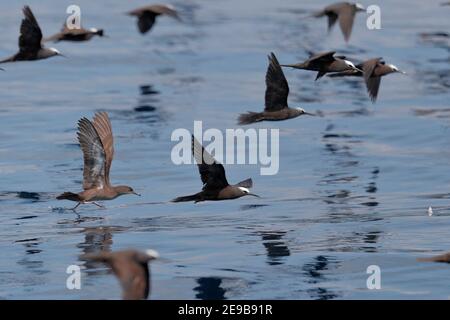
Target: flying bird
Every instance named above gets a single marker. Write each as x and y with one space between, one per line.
344 12
96 141
215 184
130 267
276 104
372 71
76 34
324 63
147 15
30 47
440 258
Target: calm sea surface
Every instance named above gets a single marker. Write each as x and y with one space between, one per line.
353 187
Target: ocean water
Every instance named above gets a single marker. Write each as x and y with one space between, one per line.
353 187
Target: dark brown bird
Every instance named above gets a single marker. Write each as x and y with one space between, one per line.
147 15
77 34
344 12
373 70
276 104
215 184
96 141
30 38
440 258
130 267
324 62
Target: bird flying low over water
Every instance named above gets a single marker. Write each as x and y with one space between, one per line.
276 104
147 15
324 63
130 267
96 141
30 47
372 71
215 184
77 34
344 12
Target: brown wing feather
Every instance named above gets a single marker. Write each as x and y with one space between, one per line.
277 88
30 33
102 125
346 17
93 154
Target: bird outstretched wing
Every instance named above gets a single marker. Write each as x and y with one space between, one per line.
277 88
102 125
211 172
93 154
30 33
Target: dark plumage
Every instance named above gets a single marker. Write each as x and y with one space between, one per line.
276 98
342 11
372 70
77 35
147 15
130 267
30 38
215 184
324 63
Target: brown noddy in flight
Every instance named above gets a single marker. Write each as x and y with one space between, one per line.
324 62
147 15
215 184
130 267
342 11
96 141
373 70
440 258
30 47
76 34
276 104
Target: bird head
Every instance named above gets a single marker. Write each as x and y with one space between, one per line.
302 111
395 69
359 7
98 32
125 190
55 52
351 66
246 192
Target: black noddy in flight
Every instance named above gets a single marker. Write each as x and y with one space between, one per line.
344 12
276 104
147 15
215 184
30 47
75 34
130 267
324 63
373 70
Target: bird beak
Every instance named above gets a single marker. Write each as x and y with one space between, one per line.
288 65
357 69
136 193
62 55
402 72
252 194
309 114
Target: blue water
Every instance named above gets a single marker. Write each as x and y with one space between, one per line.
353 188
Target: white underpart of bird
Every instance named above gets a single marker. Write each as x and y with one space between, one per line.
152 253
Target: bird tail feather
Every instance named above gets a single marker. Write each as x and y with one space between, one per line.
69 196
250 117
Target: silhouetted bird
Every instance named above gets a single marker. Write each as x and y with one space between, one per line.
30 47
96 141
77 34
323 63
215 184
147 15
276 104
373 70
130 267
344 12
